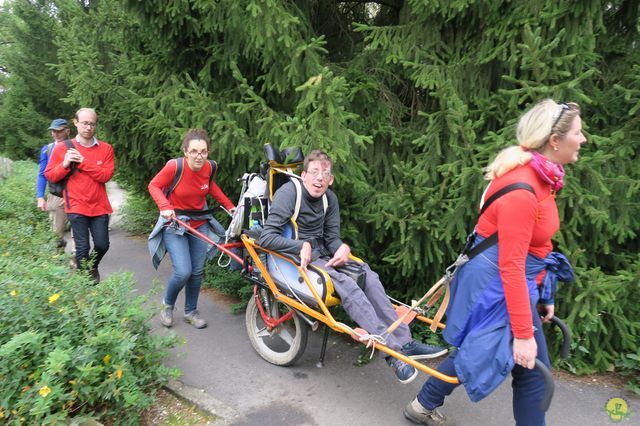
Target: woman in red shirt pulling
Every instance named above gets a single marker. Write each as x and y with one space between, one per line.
501 289
186 198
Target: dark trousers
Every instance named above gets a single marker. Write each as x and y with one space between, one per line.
98 227
528 385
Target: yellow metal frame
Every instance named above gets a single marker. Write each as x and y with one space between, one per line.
323 315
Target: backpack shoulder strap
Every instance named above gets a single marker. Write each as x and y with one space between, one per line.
296 209
503 191
73 166
493 238
50 149
177 176
214 169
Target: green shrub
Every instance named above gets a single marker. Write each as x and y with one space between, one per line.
67 348
603 313
228 282
139 214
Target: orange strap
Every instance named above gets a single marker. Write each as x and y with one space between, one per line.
401 310
444 281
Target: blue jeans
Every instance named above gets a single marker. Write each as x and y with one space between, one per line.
188 254
98 227
528 385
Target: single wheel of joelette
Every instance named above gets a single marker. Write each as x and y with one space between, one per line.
285 343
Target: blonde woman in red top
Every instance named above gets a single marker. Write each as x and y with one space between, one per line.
501 288
187 252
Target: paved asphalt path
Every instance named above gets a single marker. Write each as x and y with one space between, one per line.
221 371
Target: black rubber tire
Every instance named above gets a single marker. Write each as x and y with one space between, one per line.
285 343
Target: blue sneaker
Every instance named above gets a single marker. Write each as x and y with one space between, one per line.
404 372
418 350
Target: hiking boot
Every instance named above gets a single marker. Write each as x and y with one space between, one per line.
404 372
418 350
166 315
195 319
95 276
416 413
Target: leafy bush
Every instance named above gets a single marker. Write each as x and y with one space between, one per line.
603 313
228 282
629 364
139 214
67 348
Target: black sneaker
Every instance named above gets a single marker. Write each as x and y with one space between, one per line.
416 413
404 372
418 350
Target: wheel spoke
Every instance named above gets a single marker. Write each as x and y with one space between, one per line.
263 332
285 335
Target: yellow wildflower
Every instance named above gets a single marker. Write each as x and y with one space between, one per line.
119 374
54 297
106 359
1 413
72 382
14 293
44 391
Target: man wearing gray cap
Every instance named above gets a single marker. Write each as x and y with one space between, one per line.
53 204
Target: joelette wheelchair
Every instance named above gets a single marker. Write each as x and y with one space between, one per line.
288 301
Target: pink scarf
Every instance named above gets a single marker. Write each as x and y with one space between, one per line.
548 171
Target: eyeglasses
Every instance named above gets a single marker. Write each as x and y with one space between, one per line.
196 154
558 115
87 124
326 174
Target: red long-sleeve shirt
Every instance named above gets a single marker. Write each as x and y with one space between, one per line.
191 191
525 223
86 193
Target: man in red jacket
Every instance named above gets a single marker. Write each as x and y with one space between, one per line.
87 166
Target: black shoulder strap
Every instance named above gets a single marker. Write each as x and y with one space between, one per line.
176 180
502 191
72 168
493 238
180 170
176 177
214 169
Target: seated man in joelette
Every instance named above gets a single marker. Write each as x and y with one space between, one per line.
319 243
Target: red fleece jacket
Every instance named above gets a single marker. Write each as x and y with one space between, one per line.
525 223
86 193
191 191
